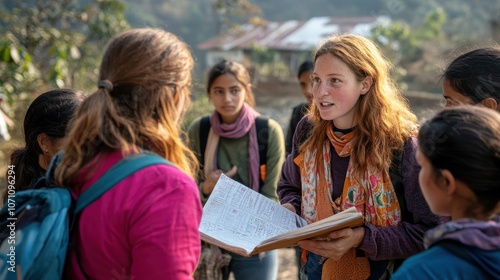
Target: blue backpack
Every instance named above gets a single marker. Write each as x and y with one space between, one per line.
35 224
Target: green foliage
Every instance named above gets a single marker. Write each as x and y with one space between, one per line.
264 61
106 19
432 27
232 13
16 67
275 69
54 42
200 106
404 45
261 54
400 41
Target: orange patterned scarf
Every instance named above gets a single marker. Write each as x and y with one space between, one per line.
374 196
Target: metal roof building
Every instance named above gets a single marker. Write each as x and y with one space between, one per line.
289 39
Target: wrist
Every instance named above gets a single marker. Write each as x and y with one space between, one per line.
203 189
359 234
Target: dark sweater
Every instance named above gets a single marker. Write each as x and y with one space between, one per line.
380 243
297 113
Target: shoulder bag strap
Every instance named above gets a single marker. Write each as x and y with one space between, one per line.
116 174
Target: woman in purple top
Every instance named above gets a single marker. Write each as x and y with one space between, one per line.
146 226
341 156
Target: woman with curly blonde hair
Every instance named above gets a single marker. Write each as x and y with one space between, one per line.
358 124
146 226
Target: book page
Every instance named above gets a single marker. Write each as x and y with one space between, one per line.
241 217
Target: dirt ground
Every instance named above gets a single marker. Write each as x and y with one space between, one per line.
288 268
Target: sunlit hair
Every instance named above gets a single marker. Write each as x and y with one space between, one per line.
476 74
149 71
382 117
238 71
465 140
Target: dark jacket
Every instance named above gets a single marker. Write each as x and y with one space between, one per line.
298 112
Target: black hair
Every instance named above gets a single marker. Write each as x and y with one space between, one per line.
306 66
476 74
49 113
466 141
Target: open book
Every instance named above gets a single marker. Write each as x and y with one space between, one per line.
245 222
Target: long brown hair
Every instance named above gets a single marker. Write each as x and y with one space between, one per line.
382 117
146 74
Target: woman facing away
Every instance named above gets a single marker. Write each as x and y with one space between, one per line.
146 226
459 155
358 124
45 125
232 147
474 78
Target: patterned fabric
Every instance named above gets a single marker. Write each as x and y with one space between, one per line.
373 196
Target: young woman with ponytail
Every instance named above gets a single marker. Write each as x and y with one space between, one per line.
146 226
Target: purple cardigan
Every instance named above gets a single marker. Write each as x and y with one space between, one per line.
380 243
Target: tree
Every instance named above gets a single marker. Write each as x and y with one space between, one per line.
232 13
409 48
16 67
54 42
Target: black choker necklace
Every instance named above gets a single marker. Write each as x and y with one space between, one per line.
343 131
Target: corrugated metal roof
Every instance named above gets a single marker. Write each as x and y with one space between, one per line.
292 35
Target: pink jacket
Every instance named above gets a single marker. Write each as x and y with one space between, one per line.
145 227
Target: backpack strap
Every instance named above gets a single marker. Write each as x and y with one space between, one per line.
204 129
115 174
262 126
